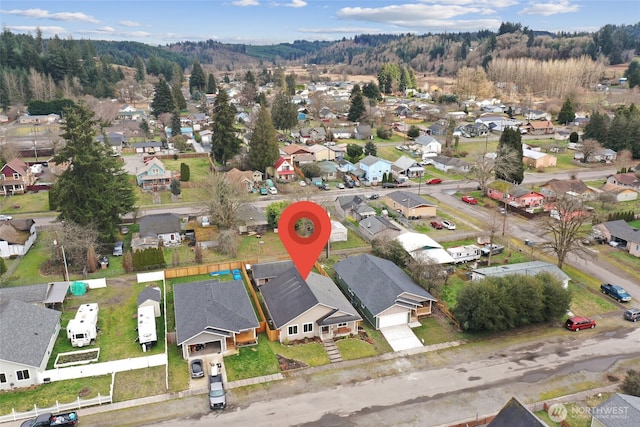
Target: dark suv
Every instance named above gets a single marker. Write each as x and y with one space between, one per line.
577 323
632 315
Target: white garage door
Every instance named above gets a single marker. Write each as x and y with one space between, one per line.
392 320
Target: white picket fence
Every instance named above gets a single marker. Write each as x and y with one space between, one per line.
61 407
84 371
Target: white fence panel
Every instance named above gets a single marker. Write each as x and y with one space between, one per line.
103 368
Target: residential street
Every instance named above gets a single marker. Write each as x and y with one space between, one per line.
432 389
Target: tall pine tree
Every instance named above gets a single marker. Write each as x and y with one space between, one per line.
197 82
284 114
224 143
162 99
263 147
567 113
357 109
95 189
509 165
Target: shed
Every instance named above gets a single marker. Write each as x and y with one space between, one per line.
338 232
150 297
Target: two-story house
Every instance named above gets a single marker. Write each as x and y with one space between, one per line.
15 177
374 168
284 170
154 176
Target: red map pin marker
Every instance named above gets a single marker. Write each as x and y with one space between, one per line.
304 251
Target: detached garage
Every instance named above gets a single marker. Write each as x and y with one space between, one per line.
338 232
383 293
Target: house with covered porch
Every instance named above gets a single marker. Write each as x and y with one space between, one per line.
314 307
213 317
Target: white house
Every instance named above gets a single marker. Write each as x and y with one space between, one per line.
17 236
427 144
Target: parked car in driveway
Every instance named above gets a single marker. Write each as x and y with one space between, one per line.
448 225
273 190
197 368
577 323
437 225
374 196
470 199
118 248
340 186
632 315
433 181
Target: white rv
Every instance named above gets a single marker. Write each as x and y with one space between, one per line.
465 253
82 329
147 336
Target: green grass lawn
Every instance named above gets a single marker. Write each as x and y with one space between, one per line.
434 331
379 342
312 353
26 204
132 385
253 361
355 348
58 391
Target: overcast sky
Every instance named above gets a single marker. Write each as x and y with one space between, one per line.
267 22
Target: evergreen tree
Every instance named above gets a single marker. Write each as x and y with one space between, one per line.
224 143
139 66
290 80
162 99
597 128
370 149
175 187
357 109
354 151
197 81
510 167
263 147
632 73
567 113
413 132
144 127
372 91
284 114
185 172
95 190
211 84
178 97
175 123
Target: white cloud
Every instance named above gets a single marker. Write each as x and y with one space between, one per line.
106 29
47 31
548 9
408 15
340 30
57 16
296 3
130 24
245 3
497 4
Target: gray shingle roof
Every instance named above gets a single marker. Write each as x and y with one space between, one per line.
155 224
29 329
527 268
269 270
376 224
408 199
288 296
514 414
377 282
622 230
621 410
212 306
30 293
150 293
349 202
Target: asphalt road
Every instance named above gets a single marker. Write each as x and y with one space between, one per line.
422 390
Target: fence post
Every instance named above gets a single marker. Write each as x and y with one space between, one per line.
99 400
79 402
57 406
35 409
13 412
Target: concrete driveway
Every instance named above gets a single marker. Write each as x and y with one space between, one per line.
400 337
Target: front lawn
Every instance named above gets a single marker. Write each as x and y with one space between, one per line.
47 395
433 331
379 342
253 361
354 348
312 354
132 385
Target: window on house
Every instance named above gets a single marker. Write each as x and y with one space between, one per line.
342 325
22 375
16 176
307 327
3 378
292 330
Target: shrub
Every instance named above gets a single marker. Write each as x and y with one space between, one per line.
185 172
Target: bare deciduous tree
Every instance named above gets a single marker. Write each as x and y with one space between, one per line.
228 243
566 233
485 167
588 148
624 159
220 198
428 274
76 241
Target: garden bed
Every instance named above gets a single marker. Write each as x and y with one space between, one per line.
80 357
287 364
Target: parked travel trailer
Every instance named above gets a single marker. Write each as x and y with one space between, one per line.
82 329
465 253
147 335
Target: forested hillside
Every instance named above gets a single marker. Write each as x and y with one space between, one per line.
34 68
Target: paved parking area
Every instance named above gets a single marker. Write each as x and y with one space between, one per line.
401 337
